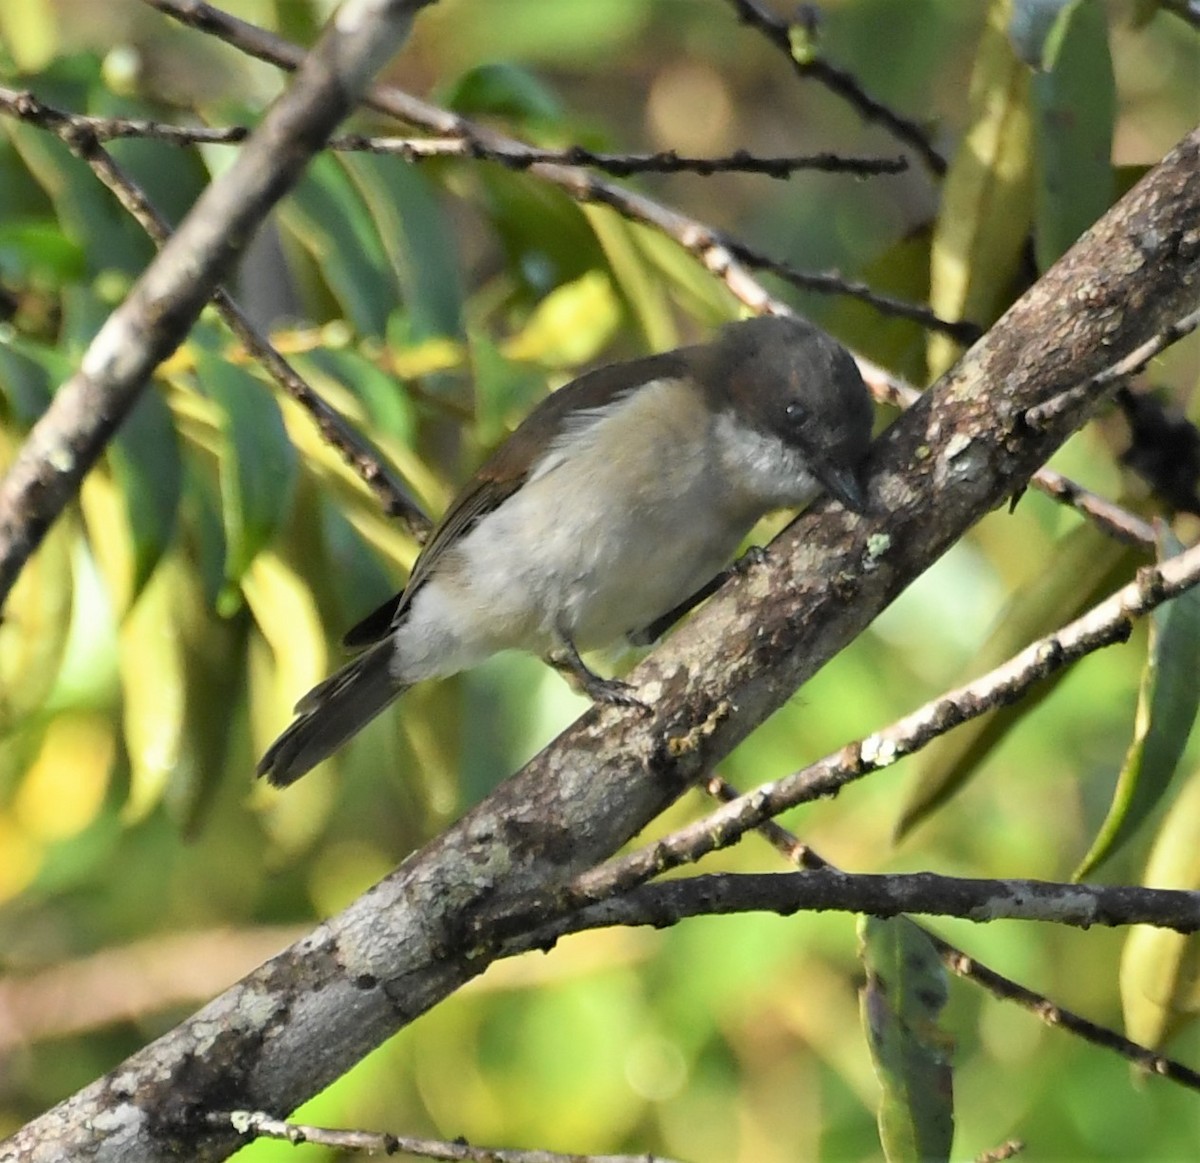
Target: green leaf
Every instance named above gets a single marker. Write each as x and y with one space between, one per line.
1074 107
154 692
503 90
902 270
37 617
635 277
905 993
505 390
258 464
25 383
388 404
544 233
327 216
172 178
37 251
416 237
90 216
144 457
695 291
1088 565
987 198
1160 969
360 582
1168 700
203 530
570 325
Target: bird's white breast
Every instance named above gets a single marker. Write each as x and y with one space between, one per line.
633 507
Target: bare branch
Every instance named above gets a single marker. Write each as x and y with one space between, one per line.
260 1125
366 461
623 165
164 302
1116 373
1107 516
879 895
841 82
417 149
966 966
130 983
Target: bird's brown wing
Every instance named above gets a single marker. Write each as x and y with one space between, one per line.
507 468
469 506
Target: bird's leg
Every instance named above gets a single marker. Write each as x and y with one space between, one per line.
755 555
566 660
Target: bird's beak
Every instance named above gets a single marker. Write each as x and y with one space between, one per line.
844 486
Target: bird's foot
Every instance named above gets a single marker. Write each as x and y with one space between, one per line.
612 691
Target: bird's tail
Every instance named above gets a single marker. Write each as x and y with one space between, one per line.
330 713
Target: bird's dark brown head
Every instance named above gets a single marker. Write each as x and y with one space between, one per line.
786 377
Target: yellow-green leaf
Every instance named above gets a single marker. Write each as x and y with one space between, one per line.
901 1002
570 325
33 631
1160 969
987 198
258 461
147 471
154 689
1074 106
636 280
1168 700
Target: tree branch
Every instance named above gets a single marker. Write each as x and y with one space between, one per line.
260 1125
878 895
164 302
417 149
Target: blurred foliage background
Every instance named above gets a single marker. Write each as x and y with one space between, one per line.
157 641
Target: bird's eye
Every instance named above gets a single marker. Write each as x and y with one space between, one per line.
796 413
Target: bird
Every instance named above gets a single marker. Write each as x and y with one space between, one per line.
611 509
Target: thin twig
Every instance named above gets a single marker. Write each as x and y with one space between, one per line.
622 165
260 1125
78 135
724 257
1053 1014
1107 516
841 82
417 149
1044 414
796 852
